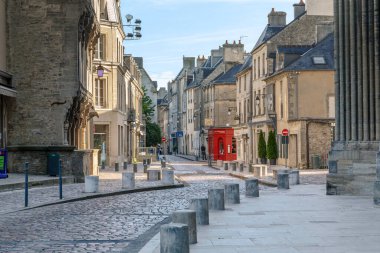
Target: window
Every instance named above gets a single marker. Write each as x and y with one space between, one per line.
264 101
319 60
258 68
100 90
254 69
100 47
233 146
264 64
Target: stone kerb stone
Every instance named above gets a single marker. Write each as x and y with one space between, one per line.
252 187
91 184
219 163
200 206
154 175
168 176
187 217
233 165
128 180
231 194
174 238
282 180
225 165
216 199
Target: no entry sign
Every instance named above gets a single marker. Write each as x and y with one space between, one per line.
285 132
163 139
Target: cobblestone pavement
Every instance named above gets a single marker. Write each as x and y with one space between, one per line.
110 224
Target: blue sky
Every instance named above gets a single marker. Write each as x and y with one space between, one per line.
172 29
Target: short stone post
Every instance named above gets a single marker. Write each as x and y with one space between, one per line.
168 176
200 206
233 166
231 194
128 180
282 181
250 168
116 166
163 163
241 167
294 177
257 171
225 165
145 168
125 165
135 167
216 199
91 184
376 195
252 187
187 217
148 161
174 238
154 175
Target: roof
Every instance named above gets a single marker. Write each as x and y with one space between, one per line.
268 33
229 76
293 49
324 48
247 64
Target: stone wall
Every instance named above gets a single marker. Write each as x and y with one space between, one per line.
320 138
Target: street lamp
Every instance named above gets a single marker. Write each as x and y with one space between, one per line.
135 34
100 70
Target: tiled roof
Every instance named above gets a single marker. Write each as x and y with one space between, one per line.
324 48
293 49
247 64
268 33
229 76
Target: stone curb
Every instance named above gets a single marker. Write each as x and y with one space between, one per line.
31 184
261 181
102 195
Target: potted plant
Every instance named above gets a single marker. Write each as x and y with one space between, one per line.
272 148
262 149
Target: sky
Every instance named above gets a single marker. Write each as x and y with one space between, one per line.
172 29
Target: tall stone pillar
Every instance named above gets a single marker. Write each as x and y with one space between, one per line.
352 160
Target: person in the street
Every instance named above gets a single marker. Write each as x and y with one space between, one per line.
203 151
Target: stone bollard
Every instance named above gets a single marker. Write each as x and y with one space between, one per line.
282 181
233 166
252 187
116 166
163 163
128 180
225 165
294 177
257 171
187 217
231 194
135 167
250 168
154 175
200 206
91 184
174 238
145 168
149 161
241 167
216 199
376 196
168 176
125 165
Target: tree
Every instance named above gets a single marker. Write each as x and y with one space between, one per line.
153 134
271 146
147 106
262 147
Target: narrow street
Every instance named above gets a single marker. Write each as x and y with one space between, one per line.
112 224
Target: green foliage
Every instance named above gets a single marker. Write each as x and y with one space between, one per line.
262 147
272 146
147 106
153 134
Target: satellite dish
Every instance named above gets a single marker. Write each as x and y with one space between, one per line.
129 17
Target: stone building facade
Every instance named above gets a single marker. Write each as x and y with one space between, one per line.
50 46
352 160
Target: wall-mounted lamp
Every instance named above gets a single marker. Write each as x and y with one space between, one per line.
100 70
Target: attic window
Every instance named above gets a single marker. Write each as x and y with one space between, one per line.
319 60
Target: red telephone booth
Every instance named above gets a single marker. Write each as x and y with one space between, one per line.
222 144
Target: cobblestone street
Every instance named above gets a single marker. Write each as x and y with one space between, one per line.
111 224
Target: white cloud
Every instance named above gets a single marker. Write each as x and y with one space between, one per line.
163 78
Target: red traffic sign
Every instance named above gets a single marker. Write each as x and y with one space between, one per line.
163 139
285 132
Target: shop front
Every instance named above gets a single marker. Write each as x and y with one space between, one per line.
222 144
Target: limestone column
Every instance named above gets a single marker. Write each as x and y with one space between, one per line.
337 67
347 81
365 71
359 70
371 70
377 68
341 72
353 65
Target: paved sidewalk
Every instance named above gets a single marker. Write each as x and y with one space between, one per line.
302 219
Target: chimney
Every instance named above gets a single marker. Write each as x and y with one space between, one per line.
200 61
323 29
277 18
299 9
188 62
